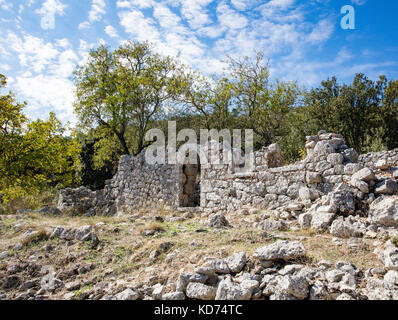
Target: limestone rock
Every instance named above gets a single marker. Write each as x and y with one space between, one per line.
237 261
178 296
296 286
384 211
388 186
365 174
321 220
228 290
217 221
281 250
200 291
127 294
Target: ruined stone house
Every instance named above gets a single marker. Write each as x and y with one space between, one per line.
215 188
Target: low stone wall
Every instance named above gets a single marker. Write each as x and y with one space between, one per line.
329 162
140 185
390 158
225 188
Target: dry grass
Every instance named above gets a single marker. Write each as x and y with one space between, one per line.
36 237
127 252
321 247
33 202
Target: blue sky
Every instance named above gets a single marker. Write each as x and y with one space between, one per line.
42 41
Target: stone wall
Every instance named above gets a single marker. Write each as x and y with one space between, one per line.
329 162
140 185
374 160
228 187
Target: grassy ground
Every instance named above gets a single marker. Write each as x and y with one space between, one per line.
124 254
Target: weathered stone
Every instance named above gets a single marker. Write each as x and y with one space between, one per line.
200 291
127 294
324 148
217 221
295 285
185 278
350 155
280 250
82 232
384 211
305 220
273 225
237 261
389 256
322 220
387 186
217 265
57 232
382 164
11 282
365 174
360 185
72 286
342 228
335 159
313 177
308 194
227 290
178 295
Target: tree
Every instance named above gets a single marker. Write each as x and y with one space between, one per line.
34 154
125 90
352 110
243 97
389 114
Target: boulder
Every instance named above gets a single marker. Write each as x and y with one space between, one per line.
200 291
388 186
335 159
217 221
384 211
127 294
322 220
350 156
382 164
237 261
364 174
281 250
296 286
305 220
388 255
228 290
185 278
178 296
344 228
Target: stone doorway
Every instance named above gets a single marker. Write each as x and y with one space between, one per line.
189 186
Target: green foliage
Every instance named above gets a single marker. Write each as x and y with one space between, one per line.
365 112
124 91
34 154
93 172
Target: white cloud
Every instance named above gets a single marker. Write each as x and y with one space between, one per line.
45 82
322 31
140 27
84 25
167 19
195 12
97 10
6 5
111 32
131 4
48 10
230 18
